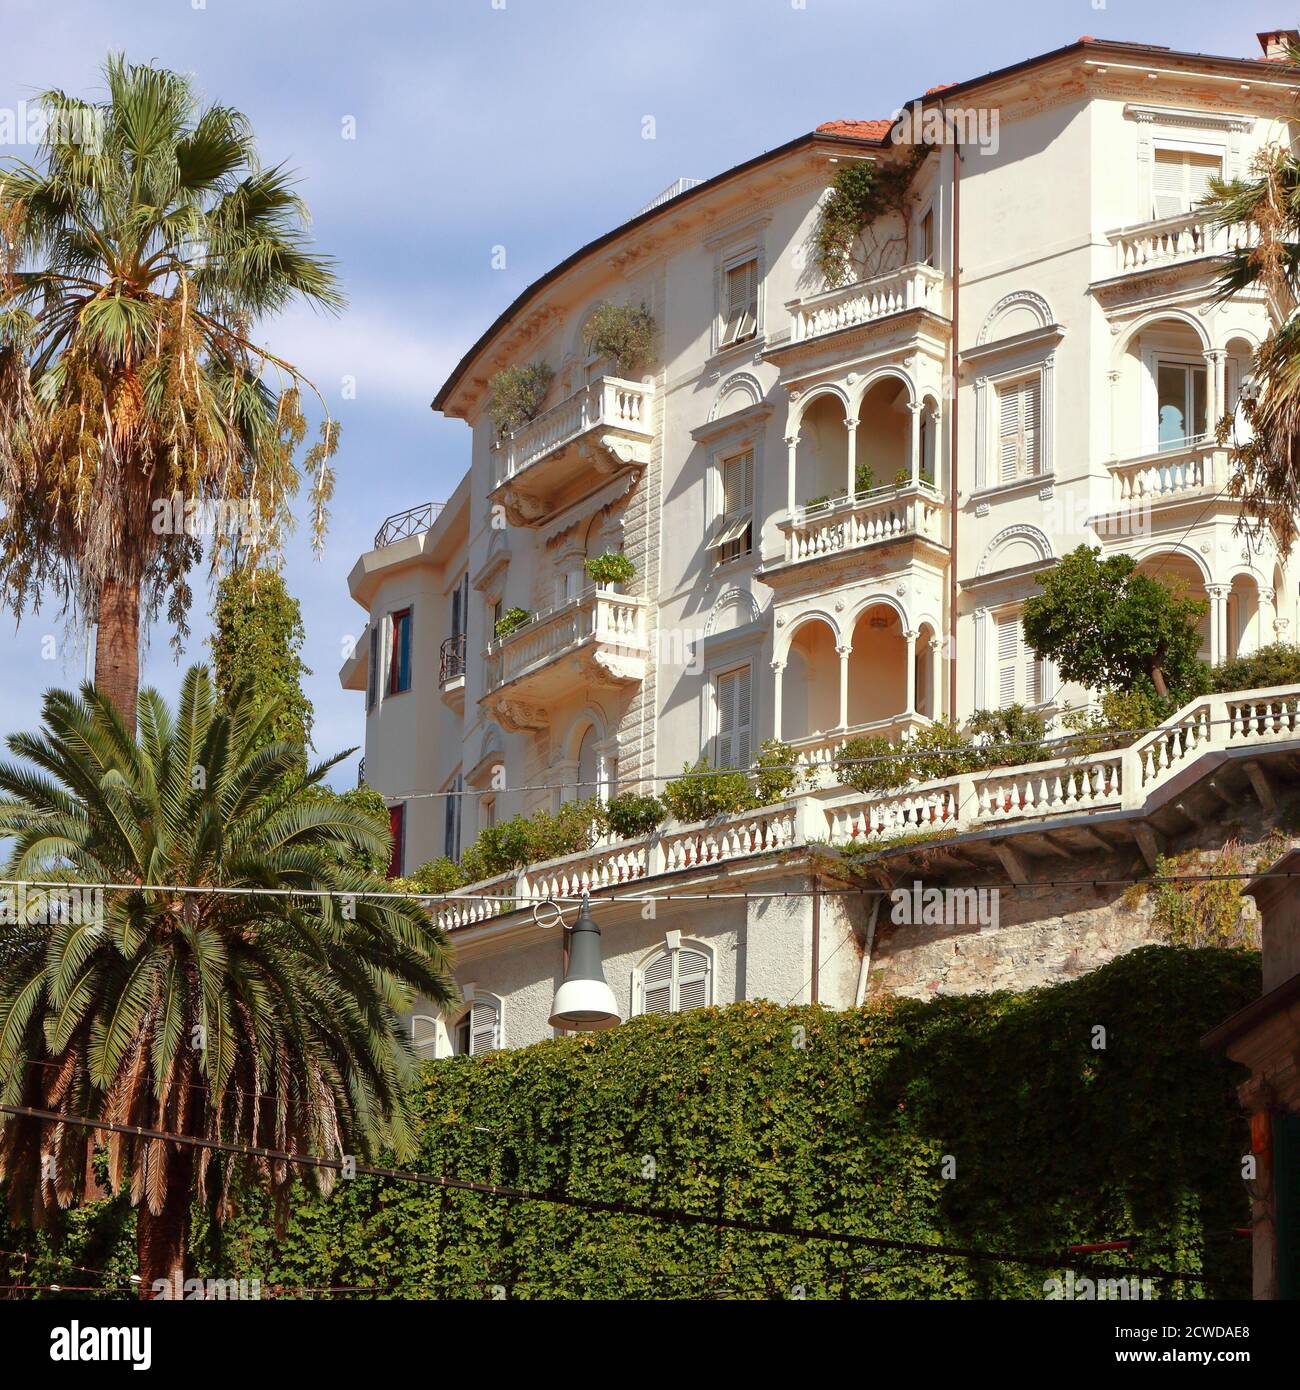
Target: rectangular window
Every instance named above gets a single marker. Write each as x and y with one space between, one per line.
451 821
1020 673
927 237
460 606
1180 403
731 693
1018 433
734 530
1182 180
397 829
372 673
740 302
399 664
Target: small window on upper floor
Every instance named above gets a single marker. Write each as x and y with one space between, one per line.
478 1030
399 657
740 302
927 237
674 979
1182 181
1020 672
1019 440
372 672
733 530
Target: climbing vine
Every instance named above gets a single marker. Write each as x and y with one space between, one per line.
845 245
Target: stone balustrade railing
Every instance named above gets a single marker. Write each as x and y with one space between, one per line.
867 518
602 614
1198 468
1037 792
608 403
915 286
1171 239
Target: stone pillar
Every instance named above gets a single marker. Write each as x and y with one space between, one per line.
916 407
1268 626
1216 387
1218 595
792 449
910 702
845 653
1114 378
778 669
851 426
938 686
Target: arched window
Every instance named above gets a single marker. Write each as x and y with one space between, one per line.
478 1029
673 979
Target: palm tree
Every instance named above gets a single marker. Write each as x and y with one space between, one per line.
261 1019
1262 216
135 259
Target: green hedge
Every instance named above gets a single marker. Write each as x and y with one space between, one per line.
1055 1143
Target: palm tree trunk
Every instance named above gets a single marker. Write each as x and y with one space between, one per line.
162 1241
117 646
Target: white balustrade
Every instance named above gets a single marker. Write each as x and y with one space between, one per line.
846 523
1173 473
914 286
1181 238
608 403
598 614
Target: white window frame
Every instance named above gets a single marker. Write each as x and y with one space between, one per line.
728 311
1152 360
673 948
489 1003
1003 389
993 696
1195 149
988 421
728 529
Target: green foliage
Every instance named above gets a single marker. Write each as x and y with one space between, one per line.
1144 1139
439 875
1106 625
1276 664
258 637
816 501
778 774
940 749
630 816
1119 722
376 854
864 478
1203 914
518 393
511 621
622 332
523 840
871 764
1006 737
862 193
613 567
702 792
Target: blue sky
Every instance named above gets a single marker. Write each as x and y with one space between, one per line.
501 122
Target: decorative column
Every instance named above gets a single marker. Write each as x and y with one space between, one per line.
916 407
938 686
1216 389
850 483
909 710
845 653
1114 378
778 668
792 449
1218 594
1268 624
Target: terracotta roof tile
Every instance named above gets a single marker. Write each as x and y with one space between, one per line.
857 130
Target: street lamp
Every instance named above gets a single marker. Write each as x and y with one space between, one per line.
584 1002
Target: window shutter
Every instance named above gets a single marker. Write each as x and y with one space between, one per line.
1018 430
484 1031
657 984
742 302
1181 180
733 697
397 830
372 675
1008 655
692 979
738 483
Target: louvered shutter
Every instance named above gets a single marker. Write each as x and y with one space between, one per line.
1008 655
372 675
738 483
1018 430
485 1027
742 302
657 984
692 979
733 697
1181 180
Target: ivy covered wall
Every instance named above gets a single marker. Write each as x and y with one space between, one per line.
722 1111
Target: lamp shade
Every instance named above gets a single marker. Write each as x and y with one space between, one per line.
584 1002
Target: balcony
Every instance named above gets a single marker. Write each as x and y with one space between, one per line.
602 430
451 671
1151 490
1174 241
835 534
408 523
915 286
598 638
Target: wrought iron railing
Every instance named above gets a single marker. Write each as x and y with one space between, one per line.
451 658
408 523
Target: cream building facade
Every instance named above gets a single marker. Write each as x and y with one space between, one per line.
836 501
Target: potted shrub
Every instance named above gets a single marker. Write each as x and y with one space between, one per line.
609 569
517 395
511 621
623 333
630 816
